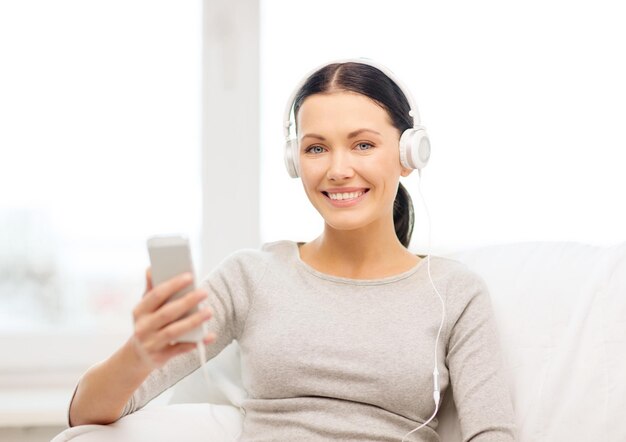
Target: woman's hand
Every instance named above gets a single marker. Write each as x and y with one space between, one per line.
158 323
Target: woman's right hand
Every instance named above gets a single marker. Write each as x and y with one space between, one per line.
158 323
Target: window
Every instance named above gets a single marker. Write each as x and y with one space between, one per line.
100 142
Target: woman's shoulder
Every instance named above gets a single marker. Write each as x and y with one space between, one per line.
261 256
251 264
267 250
461 283
451 268
280 247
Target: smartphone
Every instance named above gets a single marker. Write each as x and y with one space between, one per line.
170 256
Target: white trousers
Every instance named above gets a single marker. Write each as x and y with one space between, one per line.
179 422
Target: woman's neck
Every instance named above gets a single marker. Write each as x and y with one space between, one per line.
359 255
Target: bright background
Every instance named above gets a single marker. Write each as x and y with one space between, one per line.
100 115
524 103
101 132
101 139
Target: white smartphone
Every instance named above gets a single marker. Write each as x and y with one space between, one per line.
170 256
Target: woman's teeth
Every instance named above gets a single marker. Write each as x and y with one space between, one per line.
345 196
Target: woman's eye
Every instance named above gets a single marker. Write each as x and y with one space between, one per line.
364 146
315 149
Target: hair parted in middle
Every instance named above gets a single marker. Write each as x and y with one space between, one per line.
371 82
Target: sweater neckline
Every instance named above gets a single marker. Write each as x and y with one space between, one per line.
343 280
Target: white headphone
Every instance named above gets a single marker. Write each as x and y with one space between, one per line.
414 154
414 144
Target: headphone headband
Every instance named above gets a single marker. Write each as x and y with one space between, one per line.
414 144
413 112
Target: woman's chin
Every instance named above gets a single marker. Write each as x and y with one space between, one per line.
345 223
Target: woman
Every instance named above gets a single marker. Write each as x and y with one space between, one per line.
337 335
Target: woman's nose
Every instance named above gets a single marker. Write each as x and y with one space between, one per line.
340 166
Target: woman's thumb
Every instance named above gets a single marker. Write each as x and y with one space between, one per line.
148 280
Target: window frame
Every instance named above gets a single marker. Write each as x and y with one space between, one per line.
56 358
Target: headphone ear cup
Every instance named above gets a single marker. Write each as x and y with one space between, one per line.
414 148
291 158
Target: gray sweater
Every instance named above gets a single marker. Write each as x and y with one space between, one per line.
332 358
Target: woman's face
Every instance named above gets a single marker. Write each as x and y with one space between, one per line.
349 159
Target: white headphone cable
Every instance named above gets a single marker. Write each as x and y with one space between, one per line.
436 391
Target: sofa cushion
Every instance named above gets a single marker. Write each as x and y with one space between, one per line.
180 422
561 312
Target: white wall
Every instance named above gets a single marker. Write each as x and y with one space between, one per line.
100 147
230 137
524 104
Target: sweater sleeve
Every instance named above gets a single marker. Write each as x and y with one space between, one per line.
481 393
229 287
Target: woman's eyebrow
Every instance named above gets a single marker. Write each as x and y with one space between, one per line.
314 136
350 135
358 131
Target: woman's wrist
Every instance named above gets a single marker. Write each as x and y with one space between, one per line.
135 360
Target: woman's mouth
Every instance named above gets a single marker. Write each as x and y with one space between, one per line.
345 199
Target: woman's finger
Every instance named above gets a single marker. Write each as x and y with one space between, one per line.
176 329
176 349
148 280
156 296
175 310
156 358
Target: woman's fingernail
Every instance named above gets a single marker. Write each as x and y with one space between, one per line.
187 277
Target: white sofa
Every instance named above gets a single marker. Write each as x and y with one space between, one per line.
561 312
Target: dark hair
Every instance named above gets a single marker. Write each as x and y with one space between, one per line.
373 83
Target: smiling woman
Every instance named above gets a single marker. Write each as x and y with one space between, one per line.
351 119
357 169
505 112
367 343
357 140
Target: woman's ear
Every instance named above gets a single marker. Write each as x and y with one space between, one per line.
405 172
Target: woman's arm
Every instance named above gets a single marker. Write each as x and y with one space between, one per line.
146 365
104 390
479 385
